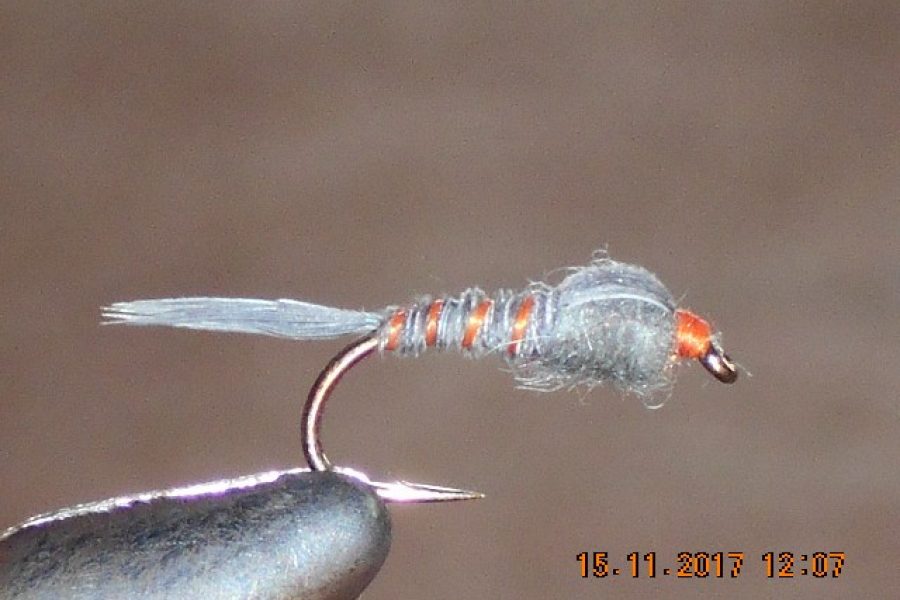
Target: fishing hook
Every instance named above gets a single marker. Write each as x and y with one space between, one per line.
311 424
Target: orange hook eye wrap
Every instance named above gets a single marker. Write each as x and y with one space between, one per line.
693 339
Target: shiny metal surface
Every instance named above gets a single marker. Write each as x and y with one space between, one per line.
291 534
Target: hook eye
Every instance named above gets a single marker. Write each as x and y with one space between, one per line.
719 364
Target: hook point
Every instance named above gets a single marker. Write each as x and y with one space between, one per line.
406 492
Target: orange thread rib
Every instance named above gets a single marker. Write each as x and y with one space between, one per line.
520 324
395 328
431 323
692 334
476 320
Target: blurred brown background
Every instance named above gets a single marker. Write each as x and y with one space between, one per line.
358 156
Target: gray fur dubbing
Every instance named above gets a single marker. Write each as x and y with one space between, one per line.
606 322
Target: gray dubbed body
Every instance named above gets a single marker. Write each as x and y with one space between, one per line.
606 322
290 534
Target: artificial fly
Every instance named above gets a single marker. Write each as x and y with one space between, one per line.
606 322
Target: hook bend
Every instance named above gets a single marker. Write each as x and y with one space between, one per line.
311 424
